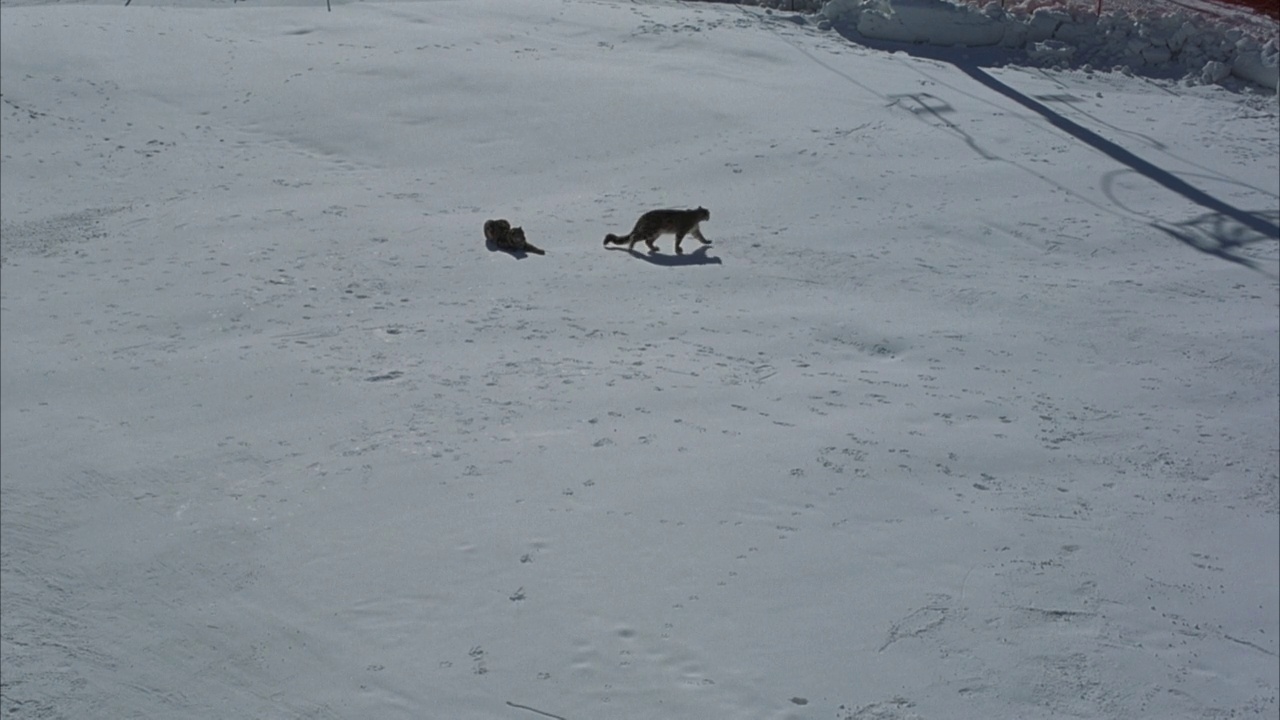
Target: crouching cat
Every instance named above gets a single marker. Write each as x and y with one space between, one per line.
504 237
657 223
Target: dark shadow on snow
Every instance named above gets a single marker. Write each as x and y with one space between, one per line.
1256 222
1220 232
517 254
697 257
1217 235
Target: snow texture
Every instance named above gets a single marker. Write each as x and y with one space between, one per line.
1179 43
970 409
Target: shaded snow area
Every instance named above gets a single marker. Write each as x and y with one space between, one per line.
969 409
1164 39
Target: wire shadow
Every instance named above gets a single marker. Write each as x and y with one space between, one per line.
1220 233
1253 221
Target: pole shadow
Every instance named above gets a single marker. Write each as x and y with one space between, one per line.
1257 222
1221 232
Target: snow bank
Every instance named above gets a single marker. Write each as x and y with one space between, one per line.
921 21
1175 44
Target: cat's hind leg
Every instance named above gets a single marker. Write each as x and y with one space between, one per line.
647 238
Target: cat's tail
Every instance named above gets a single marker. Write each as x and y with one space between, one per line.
534 250
615 240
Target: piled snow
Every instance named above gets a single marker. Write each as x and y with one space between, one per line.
1181 44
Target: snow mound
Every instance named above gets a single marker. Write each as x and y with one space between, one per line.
1177 44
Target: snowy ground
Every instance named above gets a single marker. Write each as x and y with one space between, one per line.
970 411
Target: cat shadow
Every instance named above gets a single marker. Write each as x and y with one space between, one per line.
493 247
697 257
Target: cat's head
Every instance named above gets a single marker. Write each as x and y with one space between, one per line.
703 213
